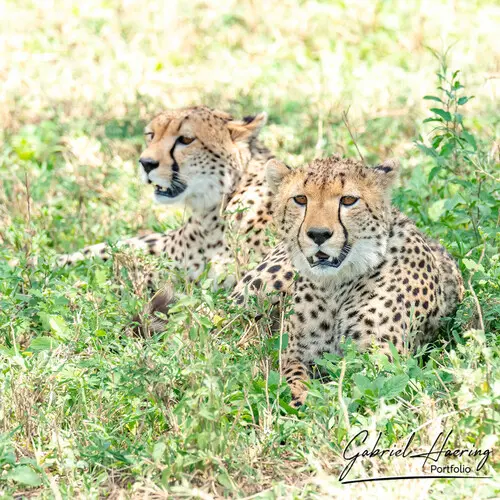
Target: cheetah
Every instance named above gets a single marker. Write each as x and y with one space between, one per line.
213 164
355 267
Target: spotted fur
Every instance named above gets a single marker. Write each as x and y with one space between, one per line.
363 271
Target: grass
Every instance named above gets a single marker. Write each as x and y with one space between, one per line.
88 410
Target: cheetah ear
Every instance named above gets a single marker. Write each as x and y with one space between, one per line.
276 171
388 172
244 130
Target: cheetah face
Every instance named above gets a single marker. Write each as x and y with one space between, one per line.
196 155
332 215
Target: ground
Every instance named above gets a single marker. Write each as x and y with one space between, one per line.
87 409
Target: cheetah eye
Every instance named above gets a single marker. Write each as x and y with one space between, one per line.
185 140
347 201
149 135
300 200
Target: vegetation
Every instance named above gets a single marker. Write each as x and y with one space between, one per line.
86 408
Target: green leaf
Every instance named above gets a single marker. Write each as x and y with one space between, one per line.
273 379
432 98
447 92
485 211
158 451
437 141
395 385
470 139
434 172
289 409
463 100
451 203
25 475
436 210
43 343
426 150
7 457
445 115
208 414
8 352
275 342
193 333
185 302
225 481
207 284
100 276
473 266
447 149
58 326
395 354
363 383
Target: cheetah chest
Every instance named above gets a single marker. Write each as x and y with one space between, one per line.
393 303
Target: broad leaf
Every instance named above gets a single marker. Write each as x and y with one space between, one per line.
445 115
432 98
25 475
43 343
395 386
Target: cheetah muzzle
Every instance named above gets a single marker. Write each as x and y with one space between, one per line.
176 188
322 259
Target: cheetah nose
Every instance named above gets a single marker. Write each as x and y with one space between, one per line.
148 164
319 234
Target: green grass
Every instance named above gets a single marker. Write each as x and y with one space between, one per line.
86 409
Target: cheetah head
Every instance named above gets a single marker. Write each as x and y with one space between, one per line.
196 155
333 215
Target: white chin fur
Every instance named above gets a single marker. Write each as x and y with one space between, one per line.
165 200
200 195
143 176
203 193
363 257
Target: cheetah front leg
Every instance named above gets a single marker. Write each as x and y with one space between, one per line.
154 243
274 274
296 375
221 272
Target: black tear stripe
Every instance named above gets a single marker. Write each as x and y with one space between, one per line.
300 227
175 165
346 234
